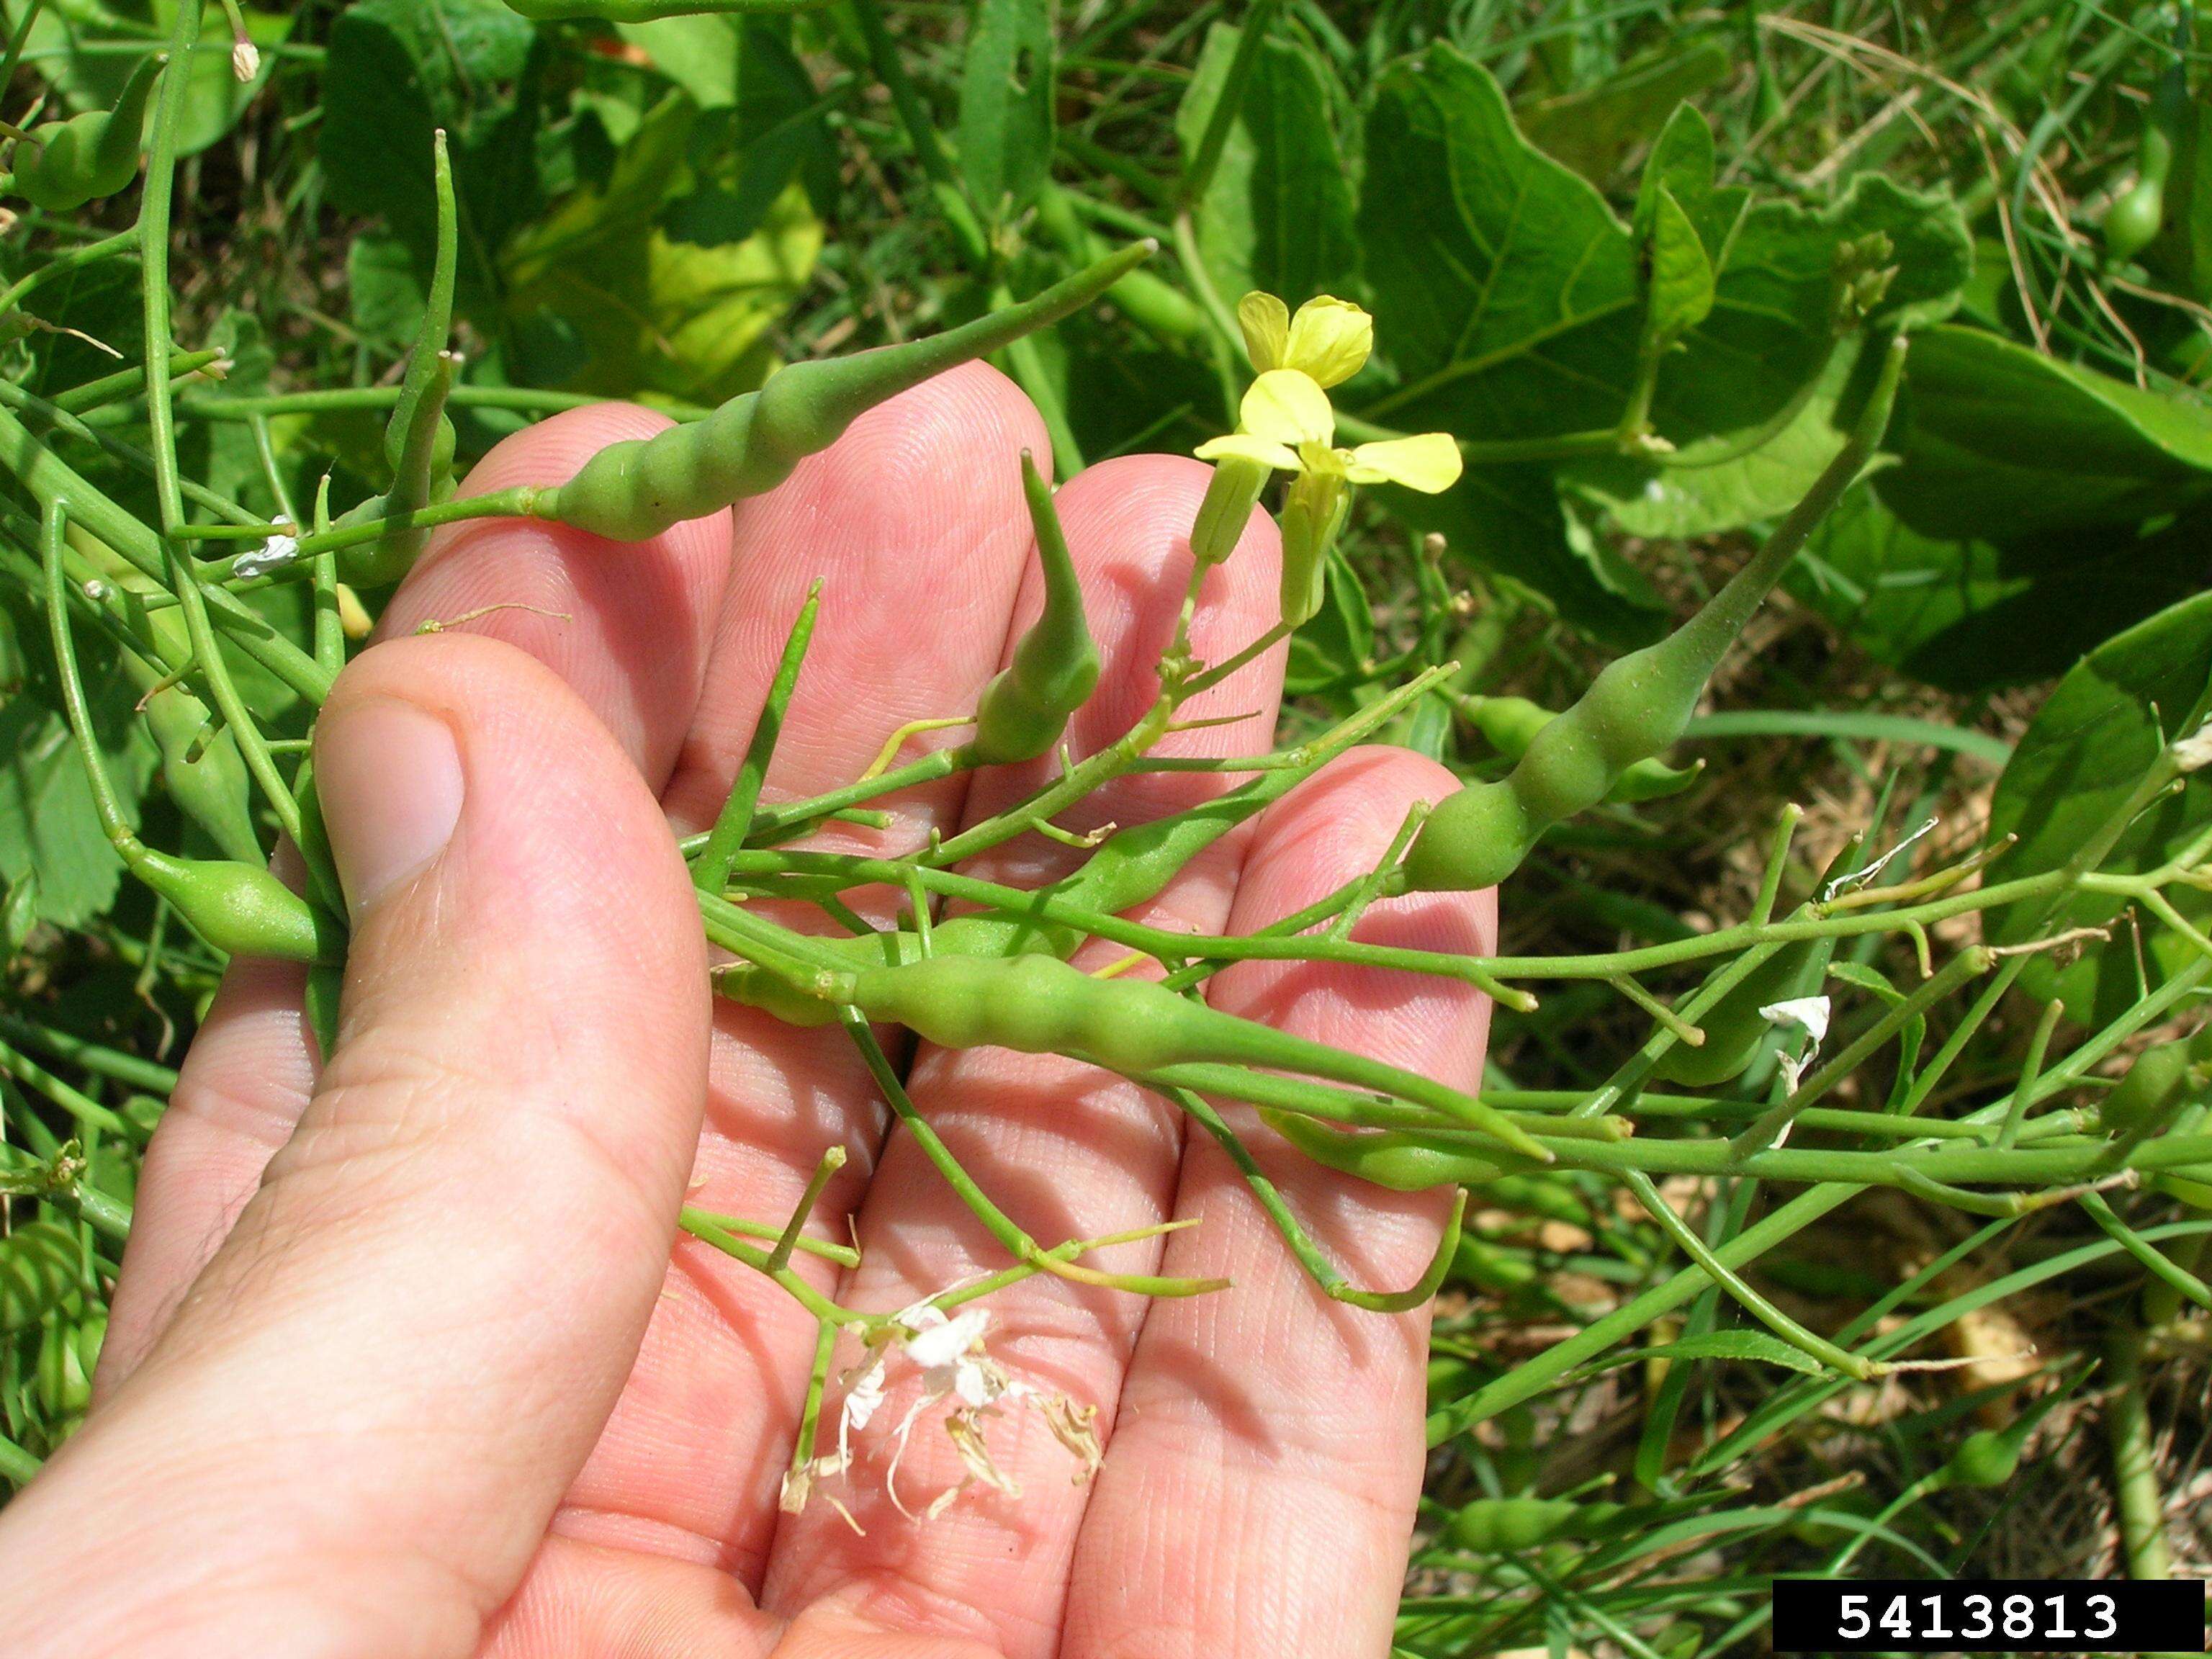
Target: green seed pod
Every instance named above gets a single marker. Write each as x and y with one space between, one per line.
62 165
2156 1085
1027 705
638 487
1636 708
1477 1262
425 474
1735 1029
1989 1457
1157 308
1496 1526
41 1268
2137 214
210 787
1402 1161
1509 725
1038 1003
239 909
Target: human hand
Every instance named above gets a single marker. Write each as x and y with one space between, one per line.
401 1362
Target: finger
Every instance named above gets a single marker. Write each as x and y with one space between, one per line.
627 626
1261 1491
370 1403
915 523
1066 1150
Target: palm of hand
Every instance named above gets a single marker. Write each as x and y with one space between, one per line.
448 1452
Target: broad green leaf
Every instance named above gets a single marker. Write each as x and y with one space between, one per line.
1278 212
48 829
1726 481
2076 764
1679 292
1509 521
698 53
1681 162
1592 128
1968 613
1999 439
396 70
1006 105
646 313
1509 298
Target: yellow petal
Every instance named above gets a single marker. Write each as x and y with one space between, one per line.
1244 447
1329 339
1286 407
1430 463
1265 322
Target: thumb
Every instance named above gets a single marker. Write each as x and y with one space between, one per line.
350 1438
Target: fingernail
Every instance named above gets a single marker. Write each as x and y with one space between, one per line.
389 777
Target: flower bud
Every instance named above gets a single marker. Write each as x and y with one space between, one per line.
1231 495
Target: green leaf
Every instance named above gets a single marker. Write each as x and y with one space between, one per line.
1681 162
1732 479
1968 613
643 312
1996 434
2087 748
1755 1346
48 829
1509 521
698 53
1278 212
1679 295
1592 128
1006 105
395 71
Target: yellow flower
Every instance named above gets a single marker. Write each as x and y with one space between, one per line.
1285 422
1329 340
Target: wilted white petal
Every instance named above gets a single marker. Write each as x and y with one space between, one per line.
1809 1014
272 555
934 1347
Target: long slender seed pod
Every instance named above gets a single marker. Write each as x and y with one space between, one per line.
730 824
238 909
1405 1161
1027 704
1639 705
436 331
638 487
63 165
426 461
1040 1005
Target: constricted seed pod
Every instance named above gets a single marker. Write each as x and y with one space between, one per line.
1638 706
638 487
62 165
